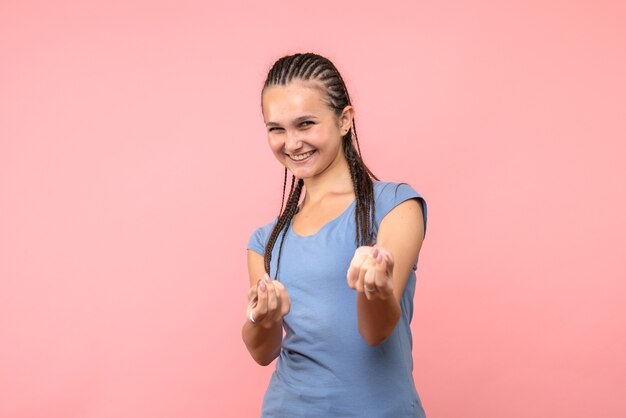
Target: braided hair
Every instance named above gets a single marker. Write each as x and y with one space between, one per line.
313 67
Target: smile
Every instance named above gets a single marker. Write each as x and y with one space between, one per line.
301 157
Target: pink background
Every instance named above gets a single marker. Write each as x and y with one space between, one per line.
134 167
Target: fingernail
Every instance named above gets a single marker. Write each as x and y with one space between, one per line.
375 252
263 286
379 259
267 277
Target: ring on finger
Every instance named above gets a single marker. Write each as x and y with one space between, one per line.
251 317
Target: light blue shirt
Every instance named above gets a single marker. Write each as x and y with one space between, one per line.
325 368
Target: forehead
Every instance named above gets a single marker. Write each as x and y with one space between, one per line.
291 100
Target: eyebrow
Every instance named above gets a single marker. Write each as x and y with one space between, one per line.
295 121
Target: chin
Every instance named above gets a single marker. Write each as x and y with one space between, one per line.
302 174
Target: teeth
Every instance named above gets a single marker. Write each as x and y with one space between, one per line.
301 157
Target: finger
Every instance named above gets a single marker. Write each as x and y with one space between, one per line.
268 279
284 303
389 264
281 292
260 311
382 280
367 264
386 254
363 250
252 291
252 301
361 254
272 299
369 284
369 278
352 276
353 270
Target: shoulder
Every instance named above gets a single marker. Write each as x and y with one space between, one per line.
259 237
388 195
390 190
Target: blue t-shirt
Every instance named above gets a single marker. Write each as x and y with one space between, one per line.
325 368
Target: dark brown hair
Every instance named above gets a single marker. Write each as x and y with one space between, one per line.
313 67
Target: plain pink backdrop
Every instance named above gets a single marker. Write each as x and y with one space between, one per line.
134 167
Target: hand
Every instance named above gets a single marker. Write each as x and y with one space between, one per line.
268 302
371 272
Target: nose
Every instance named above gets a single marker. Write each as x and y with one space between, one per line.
293 143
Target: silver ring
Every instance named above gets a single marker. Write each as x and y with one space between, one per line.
370 289
251 317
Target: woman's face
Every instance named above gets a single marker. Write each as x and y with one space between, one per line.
304 133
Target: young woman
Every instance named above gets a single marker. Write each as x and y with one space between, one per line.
336 269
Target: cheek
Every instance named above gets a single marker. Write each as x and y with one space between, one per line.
330 138
317 137
275 144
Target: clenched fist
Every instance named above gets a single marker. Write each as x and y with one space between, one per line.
268 302
371 272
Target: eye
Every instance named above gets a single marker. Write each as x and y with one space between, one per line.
307 123
274 129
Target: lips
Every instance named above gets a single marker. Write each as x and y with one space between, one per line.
301 157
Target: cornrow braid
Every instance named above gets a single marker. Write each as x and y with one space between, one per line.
313 67
282 201
290 211
283 222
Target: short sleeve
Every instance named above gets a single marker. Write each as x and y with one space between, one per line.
391 195
259 238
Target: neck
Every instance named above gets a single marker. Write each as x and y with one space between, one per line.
335 179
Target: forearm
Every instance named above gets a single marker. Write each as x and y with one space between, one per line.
377 318
263 342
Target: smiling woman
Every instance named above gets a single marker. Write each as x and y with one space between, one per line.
344 293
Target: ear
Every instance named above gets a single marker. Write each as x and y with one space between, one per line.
345 119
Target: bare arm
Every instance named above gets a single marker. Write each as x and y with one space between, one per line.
269 302
386 269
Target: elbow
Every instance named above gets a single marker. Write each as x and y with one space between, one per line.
373 339
374 342
375 336
263 357
261 352
263 362
378 322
